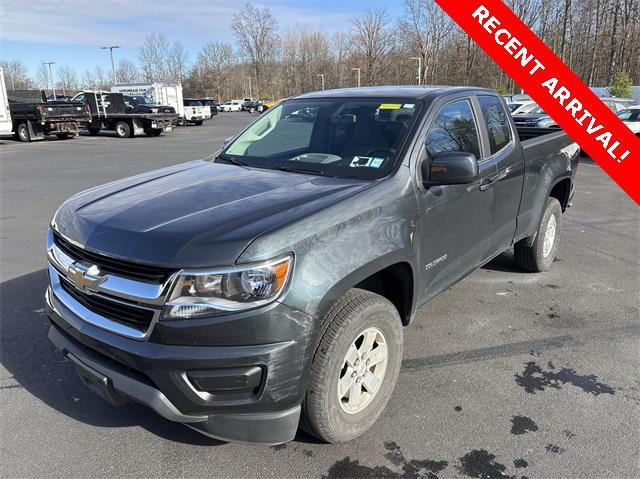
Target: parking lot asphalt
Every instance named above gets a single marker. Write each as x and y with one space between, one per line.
506 375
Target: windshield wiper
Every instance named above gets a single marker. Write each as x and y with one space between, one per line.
228 159
293 169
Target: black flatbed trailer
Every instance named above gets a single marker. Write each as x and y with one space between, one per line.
34 117
120 113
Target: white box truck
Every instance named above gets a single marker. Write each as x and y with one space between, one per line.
5 115
162 93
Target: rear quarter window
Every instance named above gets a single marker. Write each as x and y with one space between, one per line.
497 122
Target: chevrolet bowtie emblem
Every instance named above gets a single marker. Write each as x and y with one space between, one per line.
85 278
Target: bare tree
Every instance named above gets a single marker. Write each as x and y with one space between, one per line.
177 63
126 72
255 30
373 40
96 79
154 57
67 79
15 75
212 70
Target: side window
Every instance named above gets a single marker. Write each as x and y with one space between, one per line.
454 129
497 121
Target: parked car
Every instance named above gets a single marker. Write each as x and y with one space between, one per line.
33 117
524 107
616 104
631 116
266 104
251 105
127 115
195 112
531 118
232 105
6 125
269 287
211 103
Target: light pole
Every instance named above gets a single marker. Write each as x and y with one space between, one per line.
249 78
51 77
419 69
113 68
321 75
357 70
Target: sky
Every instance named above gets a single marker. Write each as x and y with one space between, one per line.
71 32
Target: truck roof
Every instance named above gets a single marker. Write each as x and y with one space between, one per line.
399 91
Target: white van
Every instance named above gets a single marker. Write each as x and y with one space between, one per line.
165 94
5 115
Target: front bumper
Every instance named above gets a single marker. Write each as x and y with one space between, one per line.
245 393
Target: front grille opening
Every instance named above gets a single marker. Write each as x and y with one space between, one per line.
131 316
151 274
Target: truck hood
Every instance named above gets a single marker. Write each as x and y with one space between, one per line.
197 214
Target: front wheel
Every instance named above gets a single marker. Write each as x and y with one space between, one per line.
538 256
124 130
355 367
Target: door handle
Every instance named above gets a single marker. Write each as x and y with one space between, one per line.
491 180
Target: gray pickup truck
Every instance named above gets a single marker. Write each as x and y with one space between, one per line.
268 288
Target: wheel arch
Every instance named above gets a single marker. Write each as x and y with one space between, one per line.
391 276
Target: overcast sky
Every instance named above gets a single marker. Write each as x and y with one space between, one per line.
70 32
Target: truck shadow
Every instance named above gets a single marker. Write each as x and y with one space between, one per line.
35 365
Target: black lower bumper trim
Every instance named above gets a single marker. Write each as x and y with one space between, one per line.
117 385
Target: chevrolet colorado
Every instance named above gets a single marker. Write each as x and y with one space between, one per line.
268 288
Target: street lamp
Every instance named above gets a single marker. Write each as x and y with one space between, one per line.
249 78
357 70
321 75
51 77
113 68
419 69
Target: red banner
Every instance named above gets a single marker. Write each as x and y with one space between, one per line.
578 111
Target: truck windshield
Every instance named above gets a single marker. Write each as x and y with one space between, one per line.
333 137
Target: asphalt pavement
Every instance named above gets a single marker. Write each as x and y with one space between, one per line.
506 375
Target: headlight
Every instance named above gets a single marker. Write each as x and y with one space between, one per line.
207 293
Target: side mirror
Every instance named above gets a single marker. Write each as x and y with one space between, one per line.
449 168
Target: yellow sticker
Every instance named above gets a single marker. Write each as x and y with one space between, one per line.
390 106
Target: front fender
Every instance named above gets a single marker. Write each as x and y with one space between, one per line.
338 247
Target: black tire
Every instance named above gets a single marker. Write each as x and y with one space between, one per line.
260 109
252 110
198 122
355 312
123 129
64 136
22 132
529 253
93 130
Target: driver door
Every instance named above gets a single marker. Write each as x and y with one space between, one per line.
455 220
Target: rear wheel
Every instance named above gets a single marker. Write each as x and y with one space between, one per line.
64 136
252 110
538 255
93 130
355 367
23 133
123 129
198 122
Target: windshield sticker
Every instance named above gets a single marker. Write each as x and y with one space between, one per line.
410 106
366 161
390 106
376 162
